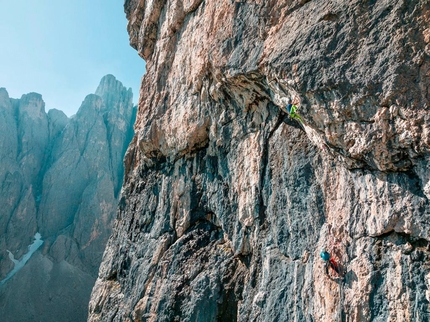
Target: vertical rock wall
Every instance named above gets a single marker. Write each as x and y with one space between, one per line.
227 202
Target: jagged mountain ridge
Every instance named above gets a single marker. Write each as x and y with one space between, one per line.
60 177
228 202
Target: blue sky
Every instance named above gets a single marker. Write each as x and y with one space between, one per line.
61 49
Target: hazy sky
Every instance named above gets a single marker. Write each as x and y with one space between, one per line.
61 49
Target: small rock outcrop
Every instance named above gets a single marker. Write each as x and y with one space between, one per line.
227 201
59 177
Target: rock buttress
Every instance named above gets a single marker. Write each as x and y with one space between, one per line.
227 202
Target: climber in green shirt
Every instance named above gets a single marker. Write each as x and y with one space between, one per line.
291 109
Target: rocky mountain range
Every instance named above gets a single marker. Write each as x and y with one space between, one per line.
60 177
229 198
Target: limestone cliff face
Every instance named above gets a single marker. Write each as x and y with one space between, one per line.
60 177
22 157
227 201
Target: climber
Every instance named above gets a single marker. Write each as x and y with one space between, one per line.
291 109
290 106
329 262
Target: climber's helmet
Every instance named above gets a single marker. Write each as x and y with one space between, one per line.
324 254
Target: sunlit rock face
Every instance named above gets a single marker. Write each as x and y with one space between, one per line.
60 177
228 202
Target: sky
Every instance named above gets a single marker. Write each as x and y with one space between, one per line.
61 49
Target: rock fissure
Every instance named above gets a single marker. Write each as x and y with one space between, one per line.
264 163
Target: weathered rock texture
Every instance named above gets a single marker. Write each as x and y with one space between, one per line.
227 202
60 177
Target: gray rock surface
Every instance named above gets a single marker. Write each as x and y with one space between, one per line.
60 177
227 202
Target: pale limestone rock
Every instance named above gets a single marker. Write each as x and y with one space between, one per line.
225 194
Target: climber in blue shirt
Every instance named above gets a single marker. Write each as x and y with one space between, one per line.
289 105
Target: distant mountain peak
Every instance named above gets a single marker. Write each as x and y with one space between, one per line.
114 93
110 85
32 104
